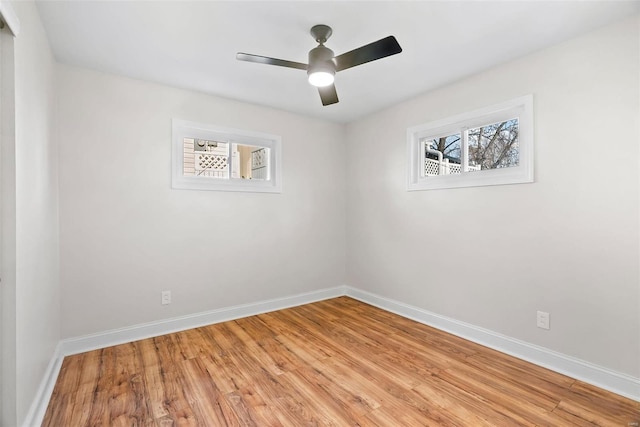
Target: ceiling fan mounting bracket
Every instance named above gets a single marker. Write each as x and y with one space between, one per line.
321 33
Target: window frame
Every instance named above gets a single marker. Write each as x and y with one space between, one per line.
521 107
182 129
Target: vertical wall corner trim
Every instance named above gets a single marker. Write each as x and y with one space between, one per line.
38 407
9 17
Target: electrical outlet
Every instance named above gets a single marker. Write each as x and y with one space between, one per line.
166 297
543 320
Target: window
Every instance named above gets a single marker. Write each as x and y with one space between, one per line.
491 146
207 157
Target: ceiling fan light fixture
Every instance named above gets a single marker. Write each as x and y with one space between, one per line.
321 78
322 69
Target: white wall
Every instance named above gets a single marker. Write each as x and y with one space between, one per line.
7 228
37 303
492 256
125 235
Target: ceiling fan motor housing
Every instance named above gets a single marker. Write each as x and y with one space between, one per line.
321 59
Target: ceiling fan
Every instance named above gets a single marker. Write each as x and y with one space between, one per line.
323 65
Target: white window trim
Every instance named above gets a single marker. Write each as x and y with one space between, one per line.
186 129
523 173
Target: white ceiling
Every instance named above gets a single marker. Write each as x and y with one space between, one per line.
192 45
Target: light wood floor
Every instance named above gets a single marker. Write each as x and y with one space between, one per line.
332 363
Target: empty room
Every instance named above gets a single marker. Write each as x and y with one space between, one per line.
319 213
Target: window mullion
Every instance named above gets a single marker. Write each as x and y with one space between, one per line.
230 159
464 150
423 160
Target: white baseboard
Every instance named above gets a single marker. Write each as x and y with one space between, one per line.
43 394
176 324
153 329
616 382
622 384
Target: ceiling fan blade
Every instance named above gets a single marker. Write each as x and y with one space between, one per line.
328 94
270 61
381 49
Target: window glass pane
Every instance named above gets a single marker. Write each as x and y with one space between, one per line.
250 162
206 158
494 146
442 155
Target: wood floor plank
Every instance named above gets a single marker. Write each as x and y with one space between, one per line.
591 404
500 362
241 410
320 404
285 401
549 384
352 403
519 390
606 403
268 352
164 380
337 362
358 389
396 393
504 398
256 328
466 408
207 401
227 376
